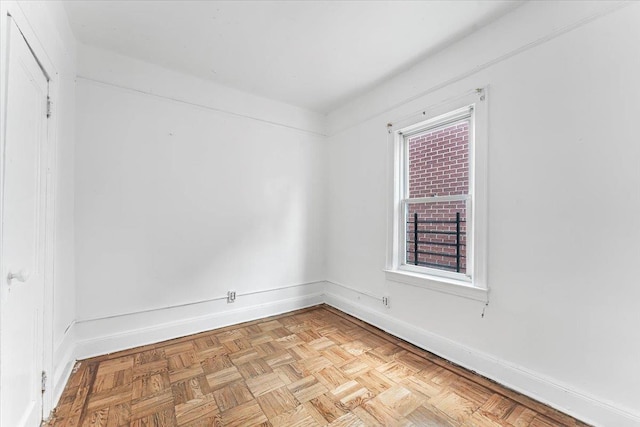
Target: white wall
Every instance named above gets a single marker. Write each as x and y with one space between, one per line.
186 189
167 216
564 207
46 29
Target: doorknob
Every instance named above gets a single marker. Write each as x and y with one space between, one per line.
20 276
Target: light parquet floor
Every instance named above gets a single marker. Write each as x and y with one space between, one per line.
312 367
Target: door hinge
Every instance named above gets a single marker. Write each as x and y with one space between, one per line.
44 381
48 106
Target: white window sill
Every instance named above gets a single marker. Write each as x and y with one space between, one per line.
439 284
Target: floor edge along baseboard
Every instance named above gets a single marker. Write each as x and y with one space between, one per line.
126 339
343 359
537 387
528 383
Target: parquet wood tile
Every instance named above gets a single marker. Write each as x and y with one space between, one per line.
326 407
277 402
312 367
307 388
348 420
351 394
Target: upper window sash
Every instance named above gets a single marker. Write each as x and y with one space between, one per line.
437 122
441 121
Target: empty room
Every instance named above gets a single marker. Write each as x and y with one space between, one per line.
319 213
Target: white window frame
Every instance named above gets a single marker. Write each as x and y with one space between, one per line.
473 283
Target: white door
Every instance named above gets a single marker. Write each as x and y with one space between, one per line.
23 231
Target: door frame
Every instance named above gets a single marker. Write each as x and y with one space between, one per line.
11 10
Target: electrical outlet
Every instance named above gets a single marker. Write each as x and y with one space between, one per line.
231 296
386 302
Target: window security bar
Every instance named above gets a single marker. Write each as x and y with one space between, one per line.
417 243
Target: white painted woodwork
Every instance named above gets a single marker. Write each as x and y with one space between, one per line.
23 239
45 27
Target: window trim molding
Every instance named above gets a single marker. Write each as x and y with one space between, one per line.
438 283
477 287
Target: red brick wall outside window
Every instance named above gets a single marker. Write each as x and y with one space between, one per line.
439 166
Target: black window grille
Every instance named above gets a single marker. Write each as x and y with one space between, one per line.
449 244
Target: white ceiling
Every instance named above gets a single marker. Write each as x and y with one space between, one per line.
313 54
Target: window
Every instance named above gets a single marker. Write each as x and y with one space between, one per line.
439 205
437 196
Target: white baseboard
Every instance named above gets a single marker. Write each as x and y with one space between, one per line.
108 335
534 385
101 336
63 361
96 337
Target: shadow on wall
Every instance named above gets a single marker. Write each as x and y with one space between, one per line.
190 203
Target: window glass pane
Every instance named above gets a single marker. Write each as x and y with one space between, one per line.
442 240
439 161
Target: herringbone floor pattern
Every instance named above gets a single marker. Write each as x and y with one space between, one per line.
313 367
